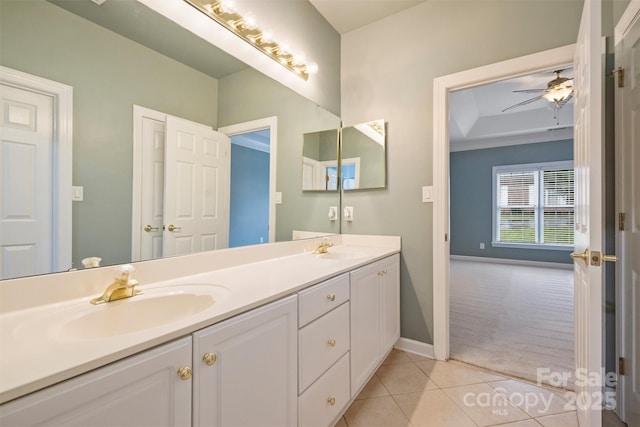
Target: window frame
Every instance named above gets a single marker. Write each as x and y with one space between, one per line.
539 206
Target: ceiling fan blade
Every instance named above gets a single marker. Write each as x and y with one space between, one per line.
529 90
528 101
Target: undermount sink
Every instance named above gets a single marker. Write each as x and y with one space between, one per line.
154 307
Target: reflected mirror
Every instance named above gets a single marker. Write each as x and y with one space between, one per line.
320 160
362 158
363 162
122 54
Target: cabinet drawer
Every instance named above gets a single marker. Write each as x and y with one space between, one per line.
321 343
327 397
314 302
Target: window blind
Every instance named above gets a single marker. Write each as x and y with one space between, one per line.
558 201
517 195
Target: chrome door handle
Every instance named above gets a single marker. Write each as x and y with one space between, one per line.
173 228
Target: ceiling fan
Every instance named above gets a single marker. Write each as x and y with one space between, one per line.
558 92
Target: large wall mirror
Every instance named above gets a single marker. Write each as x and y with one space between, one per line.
122 54
349 158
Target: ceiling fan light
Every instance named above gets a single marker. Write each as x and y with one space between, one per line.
558 94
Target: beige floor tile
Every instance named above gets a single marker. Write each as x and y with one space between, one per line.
432 408
417 357
484 405
525 423
374 388
341 423
447 374
404 378
535 401
376 412
396 356
568 419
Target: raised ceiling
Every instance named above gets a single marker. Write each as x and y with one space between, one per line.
477 119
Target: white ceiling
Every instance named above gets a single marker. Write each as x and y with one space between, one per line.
477 119
347 15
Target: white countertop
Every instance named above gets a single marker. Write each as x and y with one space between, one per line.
31 359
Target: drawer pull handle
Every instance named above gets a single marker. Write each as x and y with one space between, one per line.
331 297
209 358
332 343
331 401
184 373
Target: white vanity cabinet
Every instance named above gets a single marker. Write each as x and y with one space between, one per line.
375 317
245 369
142 390
323 356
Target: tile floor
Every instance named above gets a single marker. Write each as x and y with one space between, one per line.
410 390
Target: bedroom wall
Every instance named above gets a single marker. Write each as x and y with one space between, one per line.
472 201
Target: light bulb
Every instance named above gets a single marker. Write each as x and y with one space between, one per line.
250 23
228 6
312 68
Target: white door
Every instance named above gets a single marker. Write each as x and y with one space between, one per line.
628 187
196 190
26 186
588 160
152 203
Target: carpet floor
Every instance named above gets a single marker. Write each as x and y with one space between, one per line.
512 319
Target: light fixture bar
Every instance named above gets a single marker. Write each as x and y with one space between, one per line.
247 30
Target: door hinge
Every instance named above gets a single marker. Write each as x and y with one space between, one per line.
621 366
446 237
620 73
621 220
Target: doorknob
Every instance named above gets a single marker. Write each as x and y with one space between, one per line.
584 256
173 228
148 228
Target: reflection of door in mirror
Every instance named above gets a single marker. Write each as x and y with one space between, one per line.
181 186
32 190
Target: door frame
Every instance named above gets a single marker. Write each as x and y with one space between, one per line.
627 18
270 123
442 86
62 95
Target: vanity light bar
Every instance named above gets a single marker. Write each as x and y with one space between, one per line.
245 27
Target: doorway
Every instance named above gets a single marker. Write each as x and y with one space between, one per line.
249 206
511 215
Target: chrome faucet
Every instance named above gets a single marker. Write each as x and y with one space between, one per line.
323 247
122 286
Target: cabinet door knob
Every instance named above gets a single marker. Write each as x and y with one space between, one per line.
209 358
331 401
331 342
331 297
184 373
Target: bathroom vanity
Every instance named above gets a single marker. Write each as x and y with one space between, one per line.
266 335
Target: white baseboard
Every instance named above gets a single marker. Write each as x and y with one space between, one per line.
513 261
415 347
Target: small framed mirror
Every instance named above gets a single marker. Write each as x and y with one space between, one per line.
363 156
320 160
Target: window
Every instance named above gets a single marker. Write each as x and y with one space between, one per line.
533 205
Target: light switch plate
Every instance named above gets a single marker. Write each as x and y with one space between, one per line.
278 197
77 193
427 194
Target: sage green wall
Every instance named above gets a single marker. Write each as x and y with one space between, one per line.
255 97
109 74
388 69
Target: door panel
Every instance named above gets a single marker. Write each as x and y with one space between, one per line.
588 160
628 241
26 157
152 179
196 188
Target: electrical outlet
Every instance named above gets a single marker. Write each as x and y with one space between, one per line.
348 213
